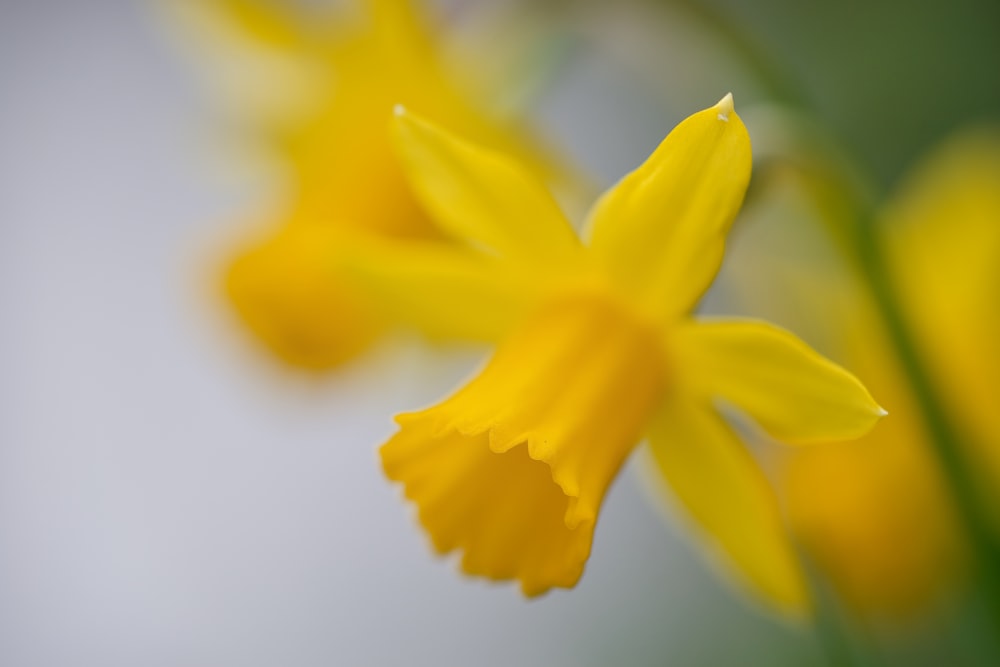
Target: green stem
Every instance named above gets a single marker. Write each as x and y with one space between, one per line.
835 645
841 639
835 638
945 441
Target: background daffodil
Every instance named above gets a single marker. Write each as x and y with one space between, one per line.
596 350
336 74
942 233
875 515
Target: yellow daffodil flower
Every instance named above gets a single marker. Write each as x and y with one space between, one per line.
943 233
336 78
597 349
874 514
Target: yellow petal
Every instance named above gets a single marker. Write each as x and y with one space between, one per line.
480 196
513 468
289 292
446 292
719 484
258 22
795 394
397 25
662 229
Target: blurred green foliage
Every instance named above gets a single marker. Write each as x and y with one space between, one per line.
890 78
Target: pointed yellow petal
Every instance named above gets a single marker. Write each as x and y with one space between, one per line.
480 196
398 25
662 229
446 292
795 394
262 23
719 484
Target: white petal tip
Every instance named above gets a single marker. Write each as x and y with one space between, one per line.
882 412
725 107
399 110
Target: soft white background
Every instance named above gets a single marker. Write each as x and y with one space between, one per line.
167 499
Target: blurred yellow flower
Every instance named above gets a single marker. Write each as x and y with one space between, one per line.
597 350
331 83
874 513
943 233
